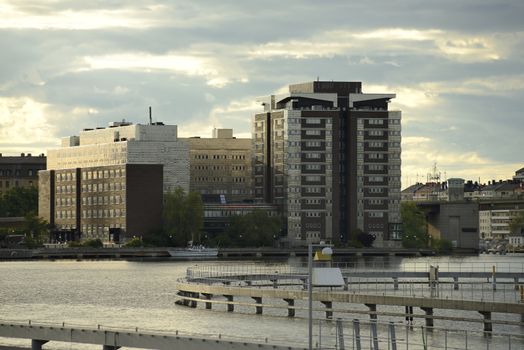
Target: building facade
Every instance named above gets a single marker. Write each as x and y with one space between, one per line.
126 143
221 165
111 203
328 156
20 171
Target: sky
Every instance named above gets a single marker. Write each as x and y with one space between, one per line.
456 66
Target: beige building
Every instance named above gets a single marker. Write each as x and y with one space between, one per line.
221 165
126 143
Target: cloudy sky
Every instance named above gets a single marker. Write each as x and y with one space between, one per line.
457 67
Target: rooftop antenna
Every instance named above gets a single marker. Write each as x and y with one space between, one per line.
150 116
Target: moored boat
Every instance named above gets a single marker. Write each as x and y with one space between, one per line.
193 252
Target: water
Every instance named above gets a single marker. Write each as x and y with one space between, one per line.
129 294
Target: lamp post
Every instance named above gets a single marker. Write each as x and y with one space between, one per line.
326 250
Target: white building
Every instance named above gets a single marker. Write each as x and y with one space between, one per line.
126 143
495 223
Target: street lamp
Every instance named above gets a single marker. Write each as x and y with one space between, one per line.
326 250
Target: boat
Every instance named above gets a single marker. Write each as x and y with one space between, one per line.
193 252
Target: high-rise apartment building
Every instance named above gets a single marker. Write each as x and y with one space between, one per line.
221 165
329 156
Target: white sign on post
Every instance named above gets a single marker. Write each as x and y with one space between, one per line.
327 277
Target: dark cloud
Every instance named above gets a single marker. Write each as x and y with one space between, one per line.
462 59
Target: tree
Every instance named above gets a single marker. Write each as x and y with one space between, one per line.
516 224
255 229
36 230
183 217
414 226
19 201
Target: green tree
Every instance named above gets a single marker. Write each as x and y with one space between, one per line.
36 230
516 224
183 217
414 226
19 201
255 229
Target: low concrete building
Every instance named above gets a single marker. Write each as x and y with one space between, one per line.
457 222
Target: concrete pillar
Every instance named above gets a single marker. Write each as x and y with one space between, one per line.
516 279
395 283
329 310
275 283
208 297
193 303
258 300
346 283
290 309
429 320
304 283
373 311
455 283
488 326
36 344
230 306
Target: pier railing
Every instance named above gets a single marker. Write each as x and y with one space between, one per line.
500 282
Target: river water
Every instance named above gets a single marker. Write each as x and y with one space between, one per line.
130 294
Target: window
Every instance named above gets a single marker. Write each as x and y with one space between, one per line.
313 132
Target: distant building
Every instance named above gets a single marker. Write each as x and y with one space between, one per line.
519 175
328 155
20 171
221 165
495 217
111 203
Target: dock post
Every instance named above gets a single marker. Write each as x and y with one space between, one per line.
372 311
455 283
395 283
193 303
258 300
290 308
429 317
356 334
36 344
208 297
230 305
494 278
329 309
304 283
488 326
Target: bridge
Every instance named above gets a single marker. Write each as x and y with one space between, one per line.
112 339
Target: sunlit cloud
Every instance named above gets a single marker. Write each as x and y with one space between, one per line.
24 125
451 45
16 18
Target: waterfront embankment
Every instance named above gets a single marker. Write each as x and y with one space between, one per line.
162 252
